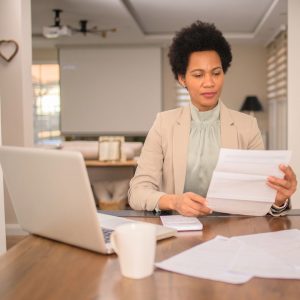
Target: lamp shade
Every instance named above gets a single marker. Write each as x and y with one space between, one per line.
251 103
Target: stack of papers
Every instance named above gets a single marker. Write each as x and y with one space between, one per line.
236 260
181 223
239 181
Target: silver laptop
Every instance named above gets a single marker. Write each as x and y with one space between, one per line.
52 197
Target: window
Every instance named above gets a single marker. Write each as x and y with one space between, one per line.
46 113
277 91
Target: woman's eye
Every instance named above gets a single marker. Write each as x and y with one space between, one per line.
217 73
198 75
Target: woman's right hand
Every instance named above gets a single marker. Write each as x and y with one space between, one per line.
188 204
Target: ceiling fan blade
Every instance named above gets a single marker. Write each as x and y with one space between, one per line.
107 30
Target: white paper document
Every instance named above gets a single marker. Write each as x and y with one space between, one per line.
238 184
269 255
210 260
181 223
236 260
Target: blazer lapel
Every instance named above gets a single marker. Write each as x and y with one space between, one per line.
180 146
229 135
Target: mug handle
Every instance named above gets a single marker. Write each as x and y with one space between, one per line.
113 241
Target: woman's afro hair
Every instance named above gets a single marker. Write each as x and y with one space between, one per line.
199 36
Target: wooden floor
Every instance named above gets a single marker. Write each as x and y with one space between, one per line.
13 240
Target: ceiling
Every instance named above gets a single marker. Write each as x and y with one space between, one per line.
156 21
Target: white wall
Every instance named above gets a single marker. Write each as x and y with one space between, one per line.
168 84
293 90
247 76
109 90
15 81
2 215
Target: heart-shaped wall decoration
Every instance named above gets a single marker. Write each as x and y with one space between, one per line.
8 49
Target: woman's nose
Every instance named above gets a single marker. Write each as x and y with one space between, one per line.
208 80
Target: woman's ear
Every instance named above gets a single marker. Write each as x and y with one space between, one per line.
181 80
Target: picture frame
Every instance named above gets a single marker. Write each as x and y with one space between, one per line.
110 148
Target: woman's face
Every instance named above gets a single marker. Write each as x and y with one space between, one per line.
204 79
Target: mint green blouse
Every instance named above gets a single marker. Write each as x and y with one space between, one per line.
203 149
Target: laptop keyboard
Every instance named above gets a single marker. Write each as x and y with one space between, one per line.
106 234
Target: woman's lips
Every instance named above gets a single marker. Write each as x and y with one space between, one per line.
209 95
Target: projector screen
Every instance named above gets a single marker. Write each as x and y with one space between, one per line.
109 91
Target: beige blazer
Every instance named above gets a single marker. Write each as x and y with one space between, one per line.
162 165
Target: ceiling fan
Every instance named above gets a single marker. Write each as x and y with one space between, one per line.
57 29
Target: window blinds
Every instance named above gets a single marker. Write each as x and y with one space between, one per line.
277 91
182 95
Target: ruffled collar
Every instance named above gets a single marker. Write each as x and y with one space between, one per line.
205 116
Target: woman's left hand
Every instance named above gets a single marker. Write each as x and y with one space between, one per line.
285 187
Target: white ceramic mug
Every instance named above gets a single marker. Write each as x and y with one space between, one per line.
135 245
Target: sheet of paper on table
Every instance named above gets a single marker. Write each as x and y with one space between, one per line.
210 260
269 255
236 260
238 184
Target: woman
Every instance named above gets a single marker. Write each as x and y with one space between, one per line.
182 147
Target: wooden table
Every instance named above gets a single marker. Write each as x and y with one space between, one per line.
38 268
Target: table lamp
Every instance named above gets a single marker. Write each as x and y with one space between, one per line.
251 104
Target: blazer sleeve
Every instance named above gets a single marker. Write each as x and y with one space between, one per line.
144 187
255 140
